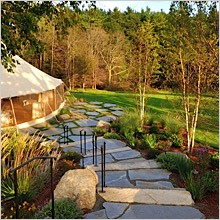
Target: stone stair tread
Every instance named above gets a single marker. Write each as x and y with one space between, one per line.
137 163
142 211
147 196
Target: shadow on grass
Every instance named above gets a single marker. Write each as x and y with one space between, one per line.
161 105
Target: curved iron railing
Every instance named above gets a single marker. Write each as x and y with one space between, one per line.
14 170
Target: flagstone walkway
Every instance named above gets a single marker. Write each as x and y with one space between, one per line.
136 188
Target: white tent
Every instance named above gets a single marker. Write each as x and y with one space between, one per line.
25 80
28 94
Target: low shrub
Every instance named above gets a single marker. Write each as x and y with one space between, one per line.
116 126
164 135
131 139
111 135
184 166
150 121
164 145
163 123
195 187
198 186
71 155
176 163
138 133
150 140
203 158
176 140
153 153
129 122
154 129
214 160
168 161
64 209
210 181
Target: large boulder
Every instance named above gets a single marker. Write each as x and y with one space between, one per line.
80 185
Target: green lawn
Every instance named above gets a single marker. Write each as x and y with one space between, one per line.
163 103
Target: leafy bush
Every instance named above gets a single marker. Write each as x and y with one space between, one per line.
164 145
150 140
164 135
64 209
176 163
176 140
152 153
214 160
71 155
168 161
138 133
154 129
111 135
131 139
116 125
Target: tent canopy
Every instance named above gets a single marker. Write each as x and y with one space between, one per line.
25 80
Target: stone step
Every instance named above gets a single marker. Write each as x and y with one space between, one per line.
147 196
141 211
137 163
156 185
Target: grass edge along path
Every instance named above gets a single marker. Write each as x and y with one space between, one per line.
163 103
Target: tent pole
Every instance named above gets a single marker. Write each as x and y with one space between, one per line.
12 106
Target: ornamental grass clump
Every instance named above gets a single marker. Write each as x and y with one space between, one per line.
17 148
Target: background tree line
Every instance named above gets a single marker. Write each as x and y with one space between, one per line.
132 50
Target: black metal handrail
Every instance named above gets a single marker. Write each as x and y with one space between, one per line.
66 134
81 145
14 170
103 152
94 149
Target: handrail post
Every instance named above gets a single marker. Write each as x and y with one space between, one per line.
93 150
104 151
80 133
16 194
64 134
96 151
102 169
67 134
85 142
51 184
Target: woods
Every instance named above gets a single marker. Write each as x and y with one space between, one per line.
114 50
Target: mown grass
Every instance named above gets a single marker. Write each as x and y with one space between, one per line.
164 103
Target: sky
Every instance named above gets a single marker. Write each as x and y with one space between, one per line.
136 5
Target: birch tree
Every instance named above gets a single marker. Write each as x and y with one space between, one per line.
147 58
195 60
